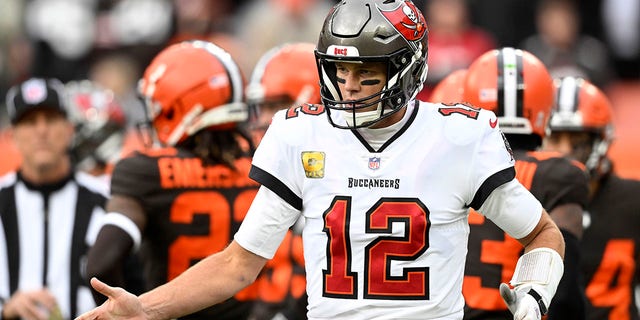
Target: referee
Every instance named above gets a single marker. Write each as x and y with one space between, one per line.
47 210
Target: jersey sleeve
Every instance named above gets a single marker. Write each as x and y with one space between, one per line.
135 176
561 182
492 163
275 164
266 223
512 208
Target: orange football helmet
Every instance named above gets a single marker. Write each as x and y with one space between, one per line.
191 86
516 86
450 89
580 106
583 107
286 73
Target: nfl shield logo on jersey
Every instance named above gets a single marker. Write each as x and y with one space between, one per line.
374 163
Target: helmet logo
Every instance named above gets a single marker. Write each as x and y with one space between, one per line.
407 19
346 51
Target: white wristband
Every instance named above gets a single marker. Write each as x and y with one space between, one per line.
123 222
541 270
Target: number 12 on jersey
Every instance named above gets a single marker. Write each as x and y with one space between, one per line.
339 281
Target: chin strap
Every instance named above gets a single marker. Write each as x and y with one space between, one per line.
537 274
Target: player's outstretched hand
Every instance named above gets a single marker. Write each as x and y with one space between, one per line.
120 305
522 305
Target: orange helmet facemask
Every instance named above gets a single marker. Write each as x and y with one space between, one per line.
191 86
516 86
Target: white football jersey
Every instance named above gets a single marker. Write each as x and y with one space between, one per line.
385 234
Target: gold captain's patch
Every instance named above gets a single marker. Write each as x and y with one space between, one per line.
313 163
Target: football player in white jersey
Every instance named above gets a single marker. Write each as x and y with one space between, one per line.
384 187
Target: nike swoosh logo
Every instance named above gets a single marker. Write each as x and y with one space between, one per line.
493 123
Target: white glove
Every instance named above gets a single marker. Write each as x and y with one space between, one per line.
522 305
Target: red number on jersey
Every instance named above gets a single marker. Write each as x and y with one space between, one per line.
307 108
460 109
340 282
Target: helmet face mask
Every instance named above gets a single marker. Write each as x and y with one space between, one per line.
391 32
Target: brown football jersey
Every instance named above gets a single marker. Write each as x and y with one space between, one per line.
192 211
610 249
493 254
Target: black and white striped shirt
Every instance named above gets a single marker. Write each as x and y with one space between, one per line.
45 233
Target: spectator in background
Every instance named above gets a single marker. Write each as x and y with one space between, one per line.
209 21
563 48
15 52
515 21
48 212
67 34
621 24
119 73
453 41
264 24
582 129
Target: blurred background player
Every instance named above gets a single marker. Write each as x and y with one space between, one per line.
285 76
100 126
581 128
450 89
183 200
518 88
49 212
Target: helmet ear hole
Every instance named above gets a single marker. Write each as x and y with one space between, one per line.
169 114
